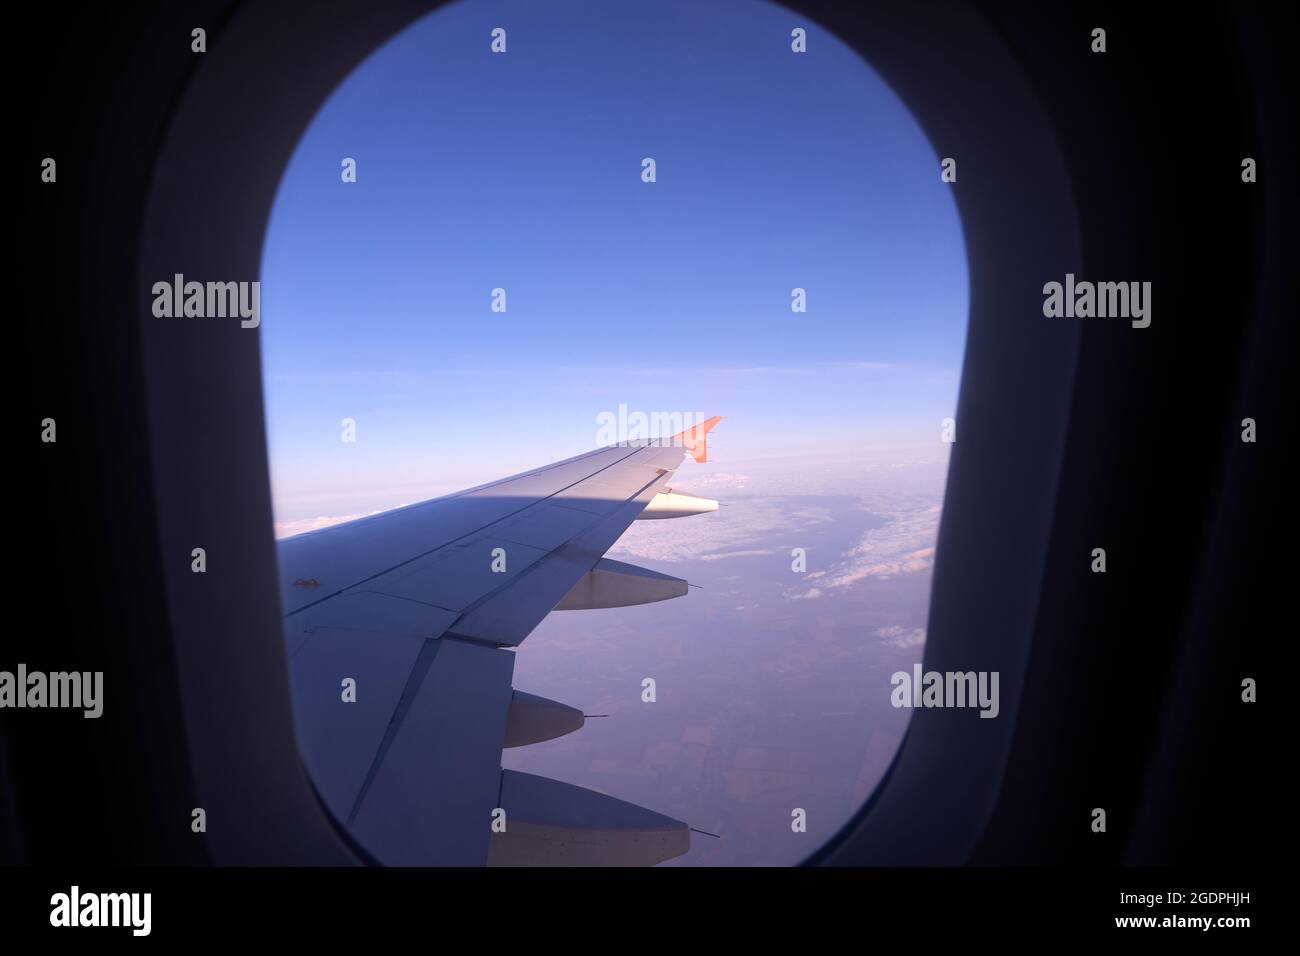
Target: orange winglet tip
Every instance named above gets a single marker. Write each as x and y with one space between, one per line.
696 438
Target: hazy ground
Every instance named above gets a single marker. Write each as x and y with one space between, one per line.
772 685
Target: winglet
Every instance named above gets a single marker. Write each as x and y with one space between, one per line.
695 438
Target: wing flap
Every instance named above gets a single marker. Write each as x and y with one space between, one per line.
550 823
338 739
431 794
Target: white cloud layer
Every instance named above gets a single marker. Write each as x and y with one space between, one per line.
901 637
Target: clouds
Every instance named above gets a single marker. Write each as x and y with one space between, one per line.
746 527
903 545
901 637
880 557
878 521
287 529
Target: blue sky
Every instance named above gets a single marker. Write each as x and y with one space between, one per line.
523 171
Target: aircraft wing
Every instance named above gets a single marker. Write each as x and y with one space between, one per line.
400 631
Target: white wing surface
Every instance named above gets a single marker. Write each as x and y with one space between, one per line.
400 631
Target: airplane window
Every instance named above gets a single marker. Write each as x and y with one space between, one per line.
517 233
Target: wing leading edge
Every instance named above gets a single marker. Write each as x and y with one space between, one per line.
400 629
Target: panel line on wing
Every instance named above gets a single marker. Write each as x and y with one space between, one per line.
535 471
538 566
403 597
468 534
418 672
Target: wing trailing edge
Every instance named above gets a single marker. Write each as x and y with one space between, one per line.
549 823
